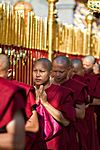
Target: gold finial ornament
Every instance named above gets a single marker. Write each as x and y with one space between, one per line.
22 5
94 5
89 20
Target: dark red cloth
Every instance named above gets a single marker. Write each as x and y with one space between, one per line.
9 102
30 96
33 140
80 126
91 80
96 94
61 99
80 90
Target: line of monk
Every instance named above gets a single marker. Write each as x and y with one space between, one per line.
59 112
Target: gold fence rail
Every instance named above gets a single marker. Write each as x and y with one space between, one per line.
26 39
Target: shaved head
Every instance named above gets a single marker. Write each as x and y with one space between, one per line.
46 63
41 72
77 63
77 66
88 63
60 68
89 58
62 60
4 62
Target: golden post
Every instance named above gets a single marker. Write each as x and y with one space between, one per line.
89 20
51 22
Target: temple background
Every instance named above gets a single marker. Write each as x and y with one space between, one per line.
64 8
27 36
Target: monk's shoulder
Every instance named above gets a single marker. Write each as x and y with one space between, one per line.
26 87
65 91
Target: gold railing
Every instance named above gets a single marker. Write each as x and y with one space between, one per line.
26 43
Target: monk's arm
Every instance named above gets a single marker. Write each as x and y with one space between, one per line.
96 101
56 114
32 124
80 111
14 139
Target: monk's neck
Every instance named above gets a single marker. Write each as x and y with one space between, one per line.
59 83
47 85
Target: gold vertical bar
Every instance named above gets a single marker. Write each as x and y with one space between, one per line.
33 32
31 68
36 22
51 26
16 28
37 33
5 23
1 21
85 42
9 24
45 34
13 27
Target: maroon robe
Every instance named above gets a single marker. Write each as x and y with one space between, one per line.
91 80
94 89
80 126
96 94
61 99
9 102
32 139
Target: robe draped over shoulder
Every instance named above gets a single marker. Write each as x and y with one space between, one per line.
10 95
92 82
80 90
79 127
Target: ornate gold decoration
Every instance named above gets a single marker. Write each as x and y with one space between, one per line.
94 5
89 20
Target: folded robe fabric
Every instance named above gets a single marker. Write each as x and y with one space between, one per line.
8 104
49 125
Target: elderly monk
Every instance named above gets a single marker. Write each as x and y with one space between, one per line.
61 68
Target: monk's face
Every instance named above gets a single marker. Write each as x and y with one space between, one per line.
87 65
59 72
96 68
77 69
40 74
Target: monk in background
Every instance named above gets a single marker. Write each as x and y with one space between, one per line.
12 134
96 68
83 71
93 81
61 67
